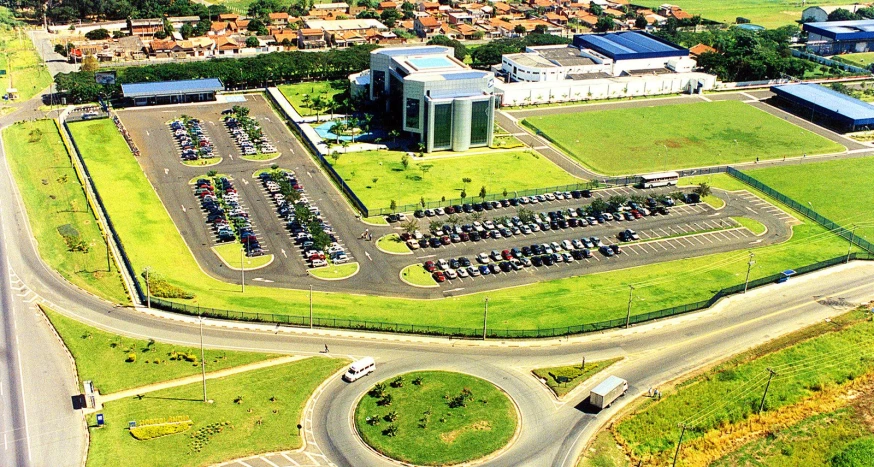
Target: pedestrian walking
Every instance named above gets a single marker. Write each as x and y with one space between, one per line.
326 348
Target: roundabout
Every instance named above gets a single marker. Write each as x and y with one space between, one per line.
435 418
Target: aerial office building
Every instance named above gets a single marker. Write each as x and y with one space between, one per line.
447 104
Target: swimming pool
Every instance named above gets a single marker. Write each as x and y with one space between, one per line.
425 63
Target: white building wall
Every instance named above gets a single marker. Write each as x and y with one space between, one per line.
513 94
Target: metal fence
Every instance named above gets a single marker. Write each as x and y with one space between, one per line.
806 211
829 62
492 332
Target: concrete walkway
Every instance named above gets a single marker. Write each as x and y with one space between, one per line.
102 399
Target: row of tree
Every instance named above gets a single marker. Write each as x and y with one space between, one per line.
259 70
842 14
490 54
70 11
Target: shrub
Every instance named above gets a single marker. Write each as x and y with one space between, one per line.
398 382
391 431
131 357
377 391
417 381
143 433
385 401
857 454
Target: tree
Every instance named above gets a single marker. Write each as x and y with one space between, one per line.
465 181
405 161
390 17
463 194
409 10
703 189
425 168
640 22
252 41
595 9
541 29
257 26
336 156
410 225
160 34
519 29
394 135
599 205
393 205
460 49
97 35
605 23
526 215
482 192
263 8
186 31
842 14
90 63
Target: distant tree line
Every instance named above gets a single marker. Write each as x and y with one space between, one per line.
842 14
74 10
490 53
259 70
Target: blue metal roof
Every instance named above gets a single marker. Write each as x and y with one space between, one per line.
172 88
629 45
430 50
843 30
827 101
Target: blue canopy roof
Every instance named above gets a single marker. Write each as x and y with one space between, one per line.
843 30
172 88
829 102
629 45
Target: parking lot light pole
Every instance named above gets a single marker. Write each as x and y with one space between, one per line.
485 317
202 361
242 273
628 314
850 248
749 267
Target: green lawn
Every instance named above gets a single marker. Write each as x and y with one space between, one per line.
392 243
378 177
24 69
417 275
828 187
731 392
768 13
262 157
295 94
55 200
208 162
230 255
753 225
335 271
102 357
431 431
563 379
243 420
604 452
677 136
143 222
860 59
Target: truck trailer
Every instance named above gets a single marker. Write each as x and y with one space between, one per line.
608 391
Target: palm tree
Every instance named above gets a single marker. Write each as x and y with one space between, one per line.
337 128
394 135
306 100
317 105
345 144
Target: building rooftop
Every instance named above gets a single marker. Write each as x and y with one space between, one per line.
345 24
531 60
827 99
843 30
168 88
629 45
565 56
427 50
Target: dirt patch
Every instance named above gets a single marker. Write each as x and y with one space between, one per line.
862 401
674 143
450 437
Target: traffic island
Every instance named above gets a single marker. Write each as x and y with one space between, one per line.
436 418
393 245
208 162
335 272
417 276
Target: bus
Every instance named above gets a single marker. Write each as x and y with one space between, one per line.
659 179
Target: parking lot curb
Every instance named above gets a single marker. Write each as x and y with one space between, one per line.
233 268
197 166
357 270
248 158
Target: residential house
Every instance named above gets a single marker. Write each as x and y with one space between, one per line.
699 49
333 9
556 19
279 20
225 45
285 37
673 11
311 38
228 17
389 5
178 21
460 17
432 8
146 27
426 26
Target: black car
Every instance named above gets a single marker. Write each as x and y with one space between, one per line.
475 237
458 208
536 261
495 204
478 207
514 201
505 266
577 254
494 268
464 261
616 249
563 223
547 260
544 226
419 213
587 193
393 218
573 222
487 206
526 251
516 252
454 263
468 208
505 203
577 194
536 249
606 250
434 242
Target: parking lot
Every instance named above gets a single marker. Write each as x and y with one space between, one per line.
379 272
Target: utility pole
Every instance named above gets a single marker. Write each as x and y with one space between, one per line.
485 317
749 267
242 273
679 443
850 248
771 374
628 314
148 290
311 306
202 361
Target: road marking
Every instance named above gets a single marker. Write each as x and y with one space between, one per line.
183 208
166 171
368 255
283 252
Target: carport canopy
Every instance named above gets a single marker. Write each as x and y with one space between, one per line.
171 88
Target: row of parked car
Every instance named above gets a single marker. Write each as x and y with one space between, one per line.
192 139
543 221
504 203
249 137
301 231
515 259
229 220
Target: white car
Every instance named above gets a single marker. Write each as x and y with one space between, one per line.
567 245
483 258
549 197
450 274
462 272
443 264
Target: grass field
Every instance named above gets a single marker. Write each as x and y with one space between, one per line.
604 452
378 177
825 355
243 420
768 13
753 225
24 69
230 255
143 222
827 186
417 275
335 271
54 198
102 357
430 431
563 379
863 59
392 243
295 94
678 136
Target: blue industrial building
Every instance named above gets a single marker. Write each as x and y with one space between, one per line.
629 45
839 37
172 92
826 106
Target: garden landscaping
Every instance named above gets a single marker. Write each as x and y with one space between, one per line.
392 243
678 136
563 379
415 274
306 98
436 418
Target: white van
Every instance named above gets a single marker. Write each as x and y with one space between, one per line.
360 368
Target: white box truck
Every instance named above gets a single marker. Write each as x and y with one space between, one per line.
608 391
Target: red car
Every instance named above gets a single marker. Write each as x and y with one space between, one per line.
438 276
506 255
445 240
430 266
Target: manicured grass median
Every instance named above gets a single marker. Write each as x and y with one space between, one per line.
104 358
335 271
392 243
230 255
753 225
67 234
253 412
677 136
378 177
295 93
563 379
441 418
417 275
835 189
